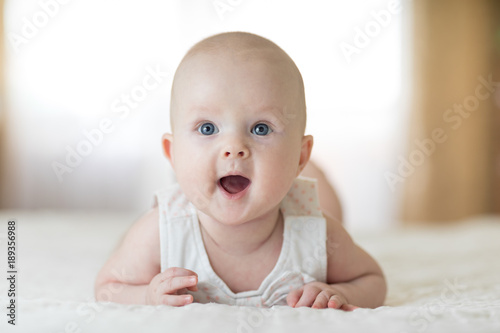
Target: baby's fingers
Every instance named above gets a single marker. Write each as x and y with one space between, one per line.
173 284
176 300
321 301
308 297
177 271
294 296
337 302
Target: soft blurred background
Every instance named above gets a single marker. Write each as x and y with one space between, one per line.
401 99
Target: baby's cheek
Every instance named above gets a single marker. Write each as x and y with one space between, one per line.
199 192
277 183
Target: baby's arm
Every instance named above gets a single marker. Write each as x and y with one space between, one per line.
354 279
132 273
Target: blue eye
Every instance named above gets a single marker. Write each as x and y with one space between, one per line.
261 129
207 129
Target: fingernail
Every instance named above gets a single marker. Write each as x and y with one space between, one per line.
187 299
192 279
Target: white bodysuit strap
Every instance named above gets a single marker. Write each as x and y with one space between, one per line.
177 241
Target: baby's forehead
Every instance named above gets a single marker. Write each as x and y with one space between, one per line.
246 51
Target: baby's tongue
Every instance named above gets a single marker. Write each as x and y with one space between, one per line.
234 184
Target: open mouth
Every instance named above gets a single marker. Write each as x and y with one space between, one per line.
234 184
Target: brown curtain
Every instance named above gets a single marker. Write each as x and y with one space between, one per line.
452 169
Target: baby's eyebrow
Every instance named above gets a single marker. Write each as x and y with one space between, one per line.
279 115
263 109
202 108
198 113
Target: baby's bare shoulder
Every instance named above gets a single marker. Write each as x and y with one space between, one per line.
142 242
136 260
144 231
338 241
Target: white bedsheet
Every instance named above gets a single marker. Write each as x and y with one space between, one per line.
441 279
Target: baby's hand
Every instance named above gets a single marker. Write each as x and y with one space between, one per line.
318 295
170 287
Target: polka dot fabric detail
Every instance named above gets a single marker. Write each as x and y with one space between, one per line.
302 199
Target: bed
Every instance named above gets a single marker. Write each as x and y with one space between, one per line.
441 279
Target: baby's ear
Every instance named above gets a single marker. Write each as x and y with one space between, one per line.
166 141
305 152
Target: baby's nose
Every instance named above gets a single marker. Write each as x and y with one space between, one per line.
235 152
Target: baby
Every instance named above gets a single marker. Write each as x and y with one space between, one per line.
240 227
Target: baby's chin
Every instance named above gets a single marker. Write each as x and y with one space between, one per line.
226 217
249 215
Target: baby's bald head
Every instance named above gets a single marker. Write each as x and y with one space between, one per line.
241 49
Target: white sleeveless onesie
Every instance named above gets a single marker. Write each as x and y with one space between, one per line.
302 258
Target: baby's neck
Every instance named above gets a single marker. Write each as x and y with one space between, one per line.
244 239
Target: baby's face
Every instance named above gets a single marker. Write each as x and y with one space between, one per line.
237 141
